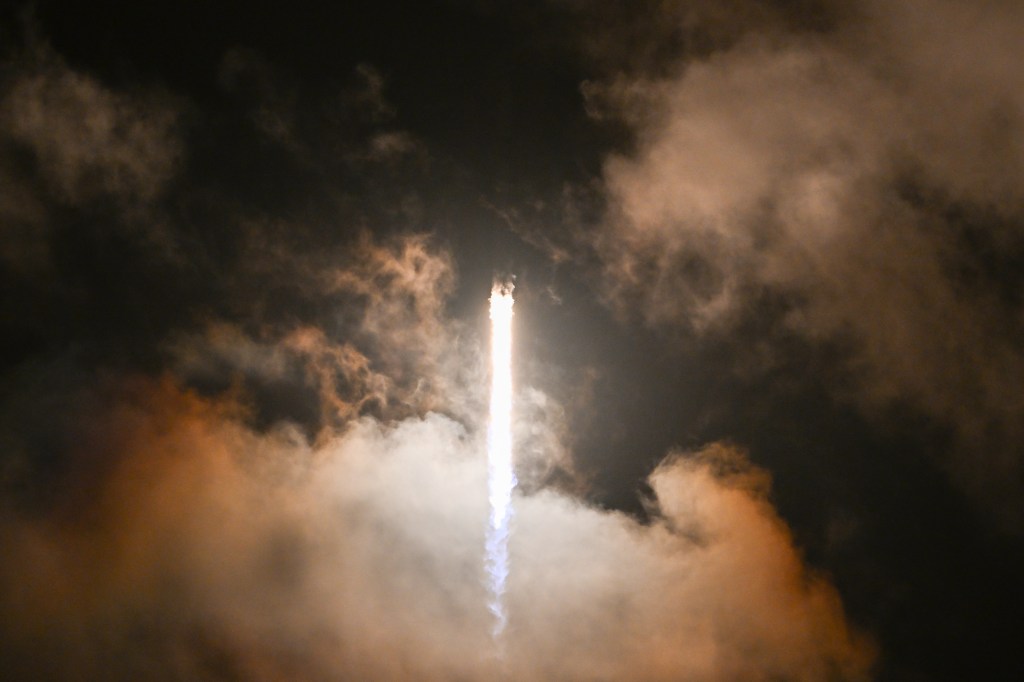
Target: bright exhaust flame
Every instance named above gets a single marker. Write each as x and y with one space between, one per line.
500 476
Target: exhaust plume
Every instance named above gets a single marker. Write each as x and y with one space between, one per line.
500 477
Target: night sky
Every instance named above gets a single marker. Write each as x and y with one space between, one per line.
769 338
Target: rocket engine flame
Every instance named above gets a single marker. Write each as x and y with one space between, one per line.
500 476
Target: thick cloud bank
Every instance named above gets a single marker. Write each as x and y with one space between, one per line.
863 182
209 551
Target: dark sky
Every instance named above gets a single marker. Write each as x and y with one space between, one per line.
769 266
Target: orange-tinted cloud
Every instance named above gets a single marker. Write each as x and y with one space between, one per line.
211 550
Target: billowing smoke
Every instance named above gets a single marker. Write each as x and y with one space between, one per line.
183 536
234 447
208 550
857 180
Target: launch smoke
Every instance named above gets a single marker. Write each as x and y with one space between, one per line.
500 476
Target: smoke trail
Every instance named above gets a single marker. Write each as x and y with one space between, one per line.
500 477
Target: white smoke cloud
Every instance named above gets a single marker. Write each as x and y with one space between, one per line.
862 174
210 550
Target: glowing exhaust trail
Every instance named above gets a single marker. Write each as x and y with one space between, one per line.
500 476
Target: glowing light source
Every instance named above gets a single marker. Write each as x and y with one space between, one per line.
500 476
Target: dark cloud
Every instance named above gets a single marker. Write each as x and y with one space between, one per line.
87 140
71 142
248 75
